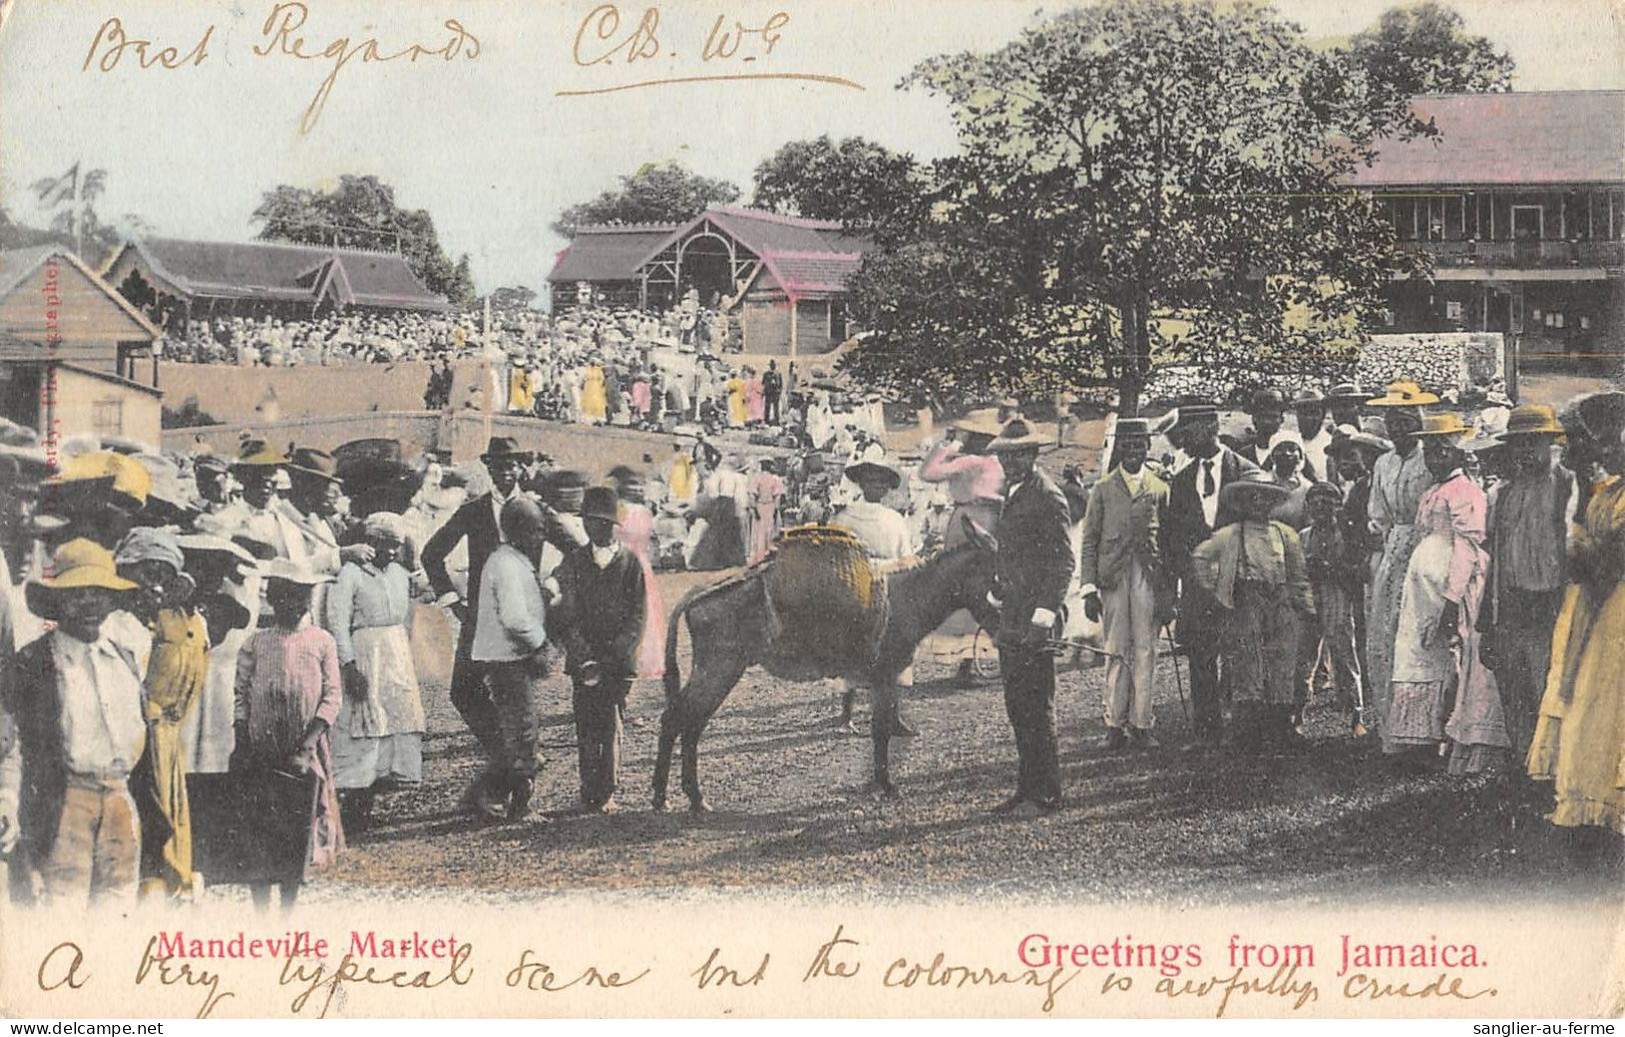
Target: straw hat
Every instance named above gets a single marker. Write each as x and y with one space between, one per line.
80 563
1253 488
1403 394
1443 425
865 471
1347 392
1532 419
1016 437
310 461
286 570
259 454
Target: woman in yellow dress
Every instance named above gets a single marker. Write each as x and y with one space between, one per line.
738 409
594 404
176 671
1581 732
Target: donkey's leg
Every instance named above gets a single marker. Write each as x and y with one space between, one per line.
668 739
710 685
881 726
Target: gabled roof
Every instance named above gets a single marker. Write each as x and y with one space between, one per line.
809 274
19 265
285 272
608 253
1552 137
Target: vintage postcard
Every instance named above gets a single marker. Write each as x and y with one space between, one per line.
812 508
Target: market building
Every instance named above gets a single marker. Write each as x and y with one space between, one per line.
782 278
174 280
1520 203
75 356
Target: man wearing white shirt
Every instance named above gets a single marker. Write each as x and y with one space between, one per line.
886 537
81 728
1309 408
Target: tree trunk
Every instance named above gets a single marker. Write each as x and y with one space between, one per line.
1136 360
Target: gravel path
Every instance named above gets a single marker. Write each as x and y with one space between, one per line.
1339 823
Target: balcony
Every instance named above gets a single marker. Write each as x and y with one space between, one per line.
1523 254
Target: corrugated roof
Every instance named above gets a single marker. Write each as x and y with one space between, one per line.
811 274
18 265
1553 137
608 253
278 271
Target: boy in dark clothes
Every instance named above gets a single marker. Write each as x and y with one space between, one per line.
600 623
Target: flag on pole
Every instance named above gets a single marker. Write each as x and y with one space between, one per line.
62 189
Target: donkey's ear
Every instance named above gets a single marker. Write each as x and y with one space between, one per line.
983 540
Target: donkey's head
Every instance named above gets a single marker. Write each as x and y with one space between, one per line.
970 573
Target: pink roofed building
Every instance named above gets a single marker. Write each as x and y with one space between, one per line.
1520 200
782 279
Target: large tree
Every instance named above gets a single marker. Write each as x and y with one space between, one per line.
1139 180
666 192
1425 49
361 212
855 181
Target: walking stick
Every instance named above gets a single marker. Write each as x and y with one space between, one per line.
1179 682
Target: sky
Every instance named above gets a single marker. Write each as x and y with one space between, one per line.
486 143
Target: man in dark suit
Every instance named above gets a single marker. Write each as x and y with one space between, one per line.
600 619
772 390
477 523
1194 512
1034 569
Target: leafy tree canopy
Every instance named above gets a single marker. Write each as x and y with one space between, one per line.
1425 49
361 213
666 192
855 181
1139 180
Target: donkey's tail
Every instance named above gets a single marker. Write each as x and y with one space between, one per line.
674 677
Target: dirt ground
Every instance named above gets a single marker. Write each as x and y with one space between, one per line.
1338 823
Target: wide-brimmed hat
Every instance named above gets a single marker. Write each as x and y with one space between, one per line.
984 425
600 502
286 570
1344 438
310 461
504 448
867 471
386 524
95 479
1403 394
1603 413
1016 436
1532 419
1308 398
1266 400
1190 414
1347 392
75 565
1239 493
1449 424
1132 428
149 544
257 453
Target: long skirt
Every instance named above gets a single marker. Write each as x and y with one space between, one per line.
1382 617
380 738
1579 739
1260 645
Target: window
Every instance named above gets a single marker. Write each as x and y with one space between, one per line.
1452 309
108 417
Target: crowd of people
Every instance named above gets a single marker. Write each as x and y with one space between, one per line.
1451 584
172 619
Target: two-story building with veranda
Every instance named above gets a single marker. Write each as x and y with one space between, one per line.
1520 201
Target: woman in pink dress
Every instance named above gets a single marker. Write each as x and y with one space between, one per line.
755 401
636 531
640 399
766 490
288 696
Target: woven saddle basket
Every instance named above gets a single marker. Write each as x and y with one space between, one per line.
827 602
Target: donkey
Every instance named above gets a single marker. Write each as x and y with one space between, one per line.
729 627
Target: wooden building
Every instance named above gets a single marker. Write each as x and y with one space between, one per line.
783 279
172 279
75 356
1520 202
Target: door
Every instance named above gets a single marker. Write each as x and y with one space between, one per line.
1528 227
